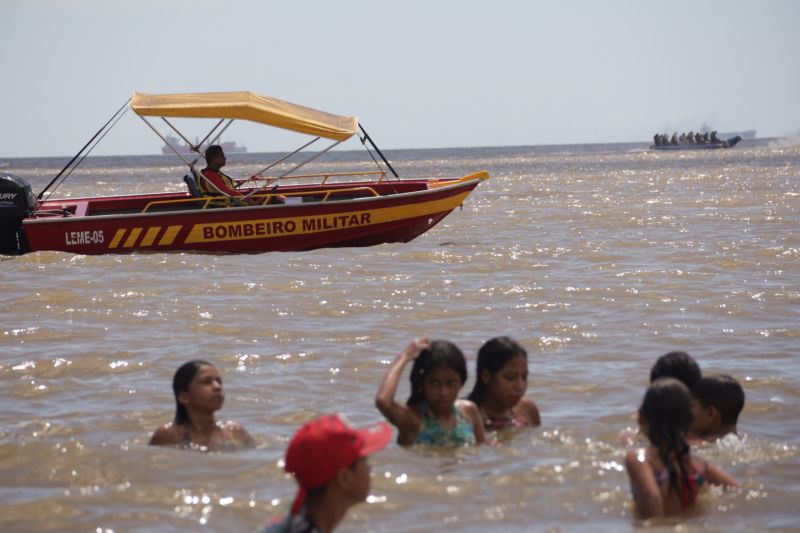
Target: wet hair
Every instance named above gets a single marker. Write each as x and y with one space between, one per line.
722 392
667 408
212 151
678 365
493 356
180 383
440 354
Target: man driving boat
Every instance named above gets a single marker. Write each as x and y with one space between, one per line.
213 181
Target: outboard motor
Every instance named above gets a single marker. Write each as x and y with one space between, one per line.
16 203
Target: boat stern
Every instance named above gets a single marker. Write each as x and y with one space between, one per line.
16 203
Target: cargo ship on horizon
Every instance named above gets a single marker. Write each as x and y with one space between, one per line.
230 147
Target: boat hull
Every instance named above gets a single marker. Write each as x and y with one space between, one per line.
733 141
293 227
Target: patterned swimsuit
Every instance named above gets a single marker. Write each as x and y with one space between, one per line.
688 493
496 424
433 433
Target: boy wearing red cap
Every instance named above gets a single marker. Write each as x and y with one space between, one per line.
329 460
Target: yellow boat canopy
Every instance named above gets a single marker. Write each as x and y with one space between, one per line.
248 106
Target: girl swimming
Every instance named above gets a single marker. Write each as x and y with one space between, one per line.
433 414
197 386
499 391
665 477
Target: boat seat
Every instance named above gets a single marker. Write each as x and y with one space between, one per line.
191 184
196 177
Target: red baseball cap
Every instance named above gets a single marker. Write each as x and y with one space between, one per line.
327 444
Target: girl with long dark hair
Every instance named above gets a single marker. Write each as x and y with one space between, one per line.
433 413
197 386
665 477
500 386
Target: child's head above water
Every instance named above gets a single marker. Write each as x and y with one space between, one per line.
493 356
666 413
324 447
181 385
437 371
719 399
678 365
666 416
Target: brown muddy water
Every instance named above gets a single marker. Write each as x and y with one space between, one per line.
598 259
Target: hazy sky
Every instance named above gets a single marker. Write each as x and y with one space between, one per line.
418 74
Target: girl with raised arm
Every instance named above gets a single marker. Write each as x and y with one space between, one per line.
433 413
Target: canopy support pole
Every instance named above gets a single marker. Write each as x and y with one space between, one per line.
194 148
114 118
284 158
307 161
182 136
155 130
368 138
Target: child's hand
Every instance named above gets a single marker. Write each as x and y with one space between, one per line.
416 346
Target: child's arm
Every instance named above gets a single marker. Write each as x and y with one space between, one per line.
643 484
717 476
399 415
471 411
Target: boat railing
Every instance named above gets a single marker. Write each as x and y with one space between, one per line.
480 175
205 200
228 201
327 192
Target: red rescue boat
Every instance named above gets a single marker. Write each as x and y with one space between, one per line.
315 210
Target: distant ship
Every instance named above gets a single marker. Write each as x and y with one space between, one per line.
746 134
229 147
729 143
